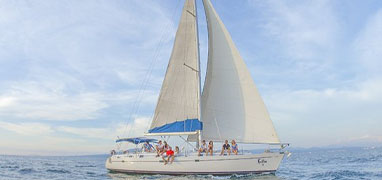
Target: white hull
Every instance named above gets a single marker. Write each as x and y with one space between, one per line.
267 162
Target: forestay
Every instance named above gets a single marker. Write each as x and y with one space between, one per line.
231 105
178 108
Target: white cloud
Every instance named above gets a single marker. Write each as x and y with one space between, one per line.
36 102
297 44
368 44
50 145
134 129
102 133
65 61
136 77
96 43
6 101
305 28
43 139
71 61
320 92
137 128
50 101
27 128
329 115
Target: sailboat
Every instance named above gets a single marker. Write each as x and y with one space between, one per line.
230 107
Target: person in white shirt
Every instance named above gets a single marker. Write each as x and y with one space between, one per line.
159 148
203 148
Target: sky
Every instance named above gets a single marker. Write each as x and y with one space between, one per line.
75 75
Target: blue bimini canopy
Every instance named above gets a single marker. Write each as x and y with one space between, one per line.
136 140
188 125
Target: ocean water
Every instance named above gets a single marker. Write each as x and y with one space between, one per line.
344 163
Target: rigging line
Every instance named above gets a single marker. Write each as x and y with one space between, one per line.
182 145
187 142
217 126
129 19
165 90
151 117
157 53
147 76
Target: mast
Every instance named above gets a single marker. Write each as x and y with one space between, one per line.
199 138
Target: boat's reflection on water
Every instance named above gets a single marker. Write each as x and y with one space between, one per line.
123 176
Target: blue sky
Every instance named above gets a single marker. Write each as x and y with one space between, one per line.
70 71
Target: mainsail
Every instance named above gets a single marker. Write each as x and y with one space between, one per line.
231 105
178 107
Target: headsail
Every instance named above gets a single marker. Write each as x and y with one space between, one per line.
178 107
231 105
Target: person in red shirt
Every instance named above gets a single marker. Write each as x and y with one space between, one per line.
169 155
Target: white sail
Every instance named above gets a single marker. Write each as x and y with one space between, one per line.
231 105
179 98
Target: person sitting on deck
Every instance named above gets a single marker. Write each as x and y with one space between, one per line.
210 148
169 155
234 146
226 148
177 153
203 148
166 146
159 148
148 147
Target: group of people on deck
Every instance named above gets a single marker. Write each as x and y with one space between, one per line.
168 154
226 148
162 149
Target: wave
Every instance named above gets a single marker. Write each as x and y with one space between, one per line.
26 171
59 171
360 160
85 166
366 160
10 167
93 174
48 164
341 174
378 175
